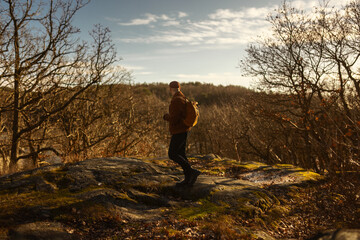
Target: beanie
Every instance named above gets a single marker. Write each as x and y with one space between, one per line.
174 84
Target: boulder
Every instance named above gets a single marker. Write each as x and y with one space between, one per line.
41 231
339 234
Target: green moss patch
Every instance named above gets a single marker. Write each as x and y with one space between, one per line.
310 176
12 202
202 209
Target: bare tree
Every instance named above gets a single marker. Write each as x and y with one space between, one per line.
45 67
313 59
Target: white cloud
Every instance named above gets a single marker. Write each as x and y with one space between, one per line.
182 14
132 67
257 12
304 4
225 14
149 18
152 18
144 73
311 4
223 26
171 23
136 70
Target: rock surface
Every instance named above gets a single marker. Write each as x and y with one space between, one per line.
40 203
340 234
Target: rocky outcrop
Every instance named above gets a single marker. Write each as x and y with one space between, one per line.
40 231
340 234
55 200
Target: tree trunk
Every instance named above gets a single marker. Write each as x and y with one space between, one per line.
17 75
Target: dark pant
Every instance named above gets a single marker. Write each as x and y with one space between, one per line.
177 151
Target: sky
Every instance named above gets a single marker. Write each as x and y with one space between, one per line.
183 40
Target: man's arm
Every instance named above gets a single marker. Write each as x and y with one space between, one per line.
176 111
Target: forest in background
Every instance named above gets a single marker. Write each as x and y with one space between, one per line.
61 96
235 122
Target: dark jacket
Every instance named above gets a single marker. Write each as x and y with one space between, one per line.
176 114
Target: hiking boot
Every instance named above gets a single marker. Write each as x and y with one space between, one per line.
186 181
183 183
193 176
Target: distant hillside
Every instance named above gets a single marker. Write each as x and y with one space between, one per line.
205 94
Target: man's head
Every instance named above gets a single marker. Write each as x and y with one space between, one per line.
174 84
174 87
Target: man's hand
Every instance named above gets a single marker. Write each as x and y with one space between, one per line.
166 117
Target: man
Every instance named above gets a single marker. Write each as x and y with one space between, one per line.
179 132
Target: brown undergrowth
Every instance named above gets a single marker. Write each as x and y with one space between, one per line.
330 204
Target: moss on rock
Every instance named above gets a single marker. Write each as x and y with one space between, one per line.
235 206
